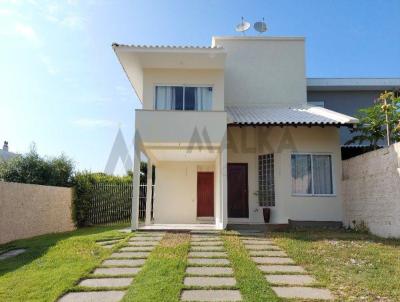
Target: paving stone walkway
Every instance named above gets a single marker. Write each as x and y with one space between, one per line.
209 275
117 272
288 279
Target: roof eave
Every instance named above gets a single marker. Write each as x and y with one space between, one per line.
294 124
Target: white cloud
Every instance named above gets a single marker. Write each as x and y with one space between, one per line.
53 9
123 91
73 2
93 123
50 67
6 12
73 22
27 32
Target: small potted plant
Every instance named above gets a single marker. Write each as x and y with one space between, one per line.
266 210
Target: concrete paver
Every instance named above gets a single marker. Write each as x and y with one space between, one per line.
211 295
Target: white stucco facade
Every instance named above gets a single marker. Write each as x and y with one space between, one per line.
248 142
244 71
264 70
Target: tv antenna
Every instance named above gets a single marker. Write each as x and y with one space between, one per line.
260 26
243 26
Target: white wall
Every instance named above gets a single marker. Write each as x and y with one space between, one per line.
212 77
244 145
176 191
179 127
264 70
371 191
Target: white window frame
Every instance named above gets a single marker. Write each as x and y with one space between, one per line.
183 86
274 175
312 194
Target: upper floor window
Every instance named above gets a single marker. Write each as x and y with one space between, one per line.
183 98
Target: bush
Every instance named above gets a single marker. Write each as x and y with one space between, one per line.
84 183
31 168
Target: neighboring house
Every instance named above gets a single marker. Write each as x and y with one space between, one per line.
348 95
229 132
5 154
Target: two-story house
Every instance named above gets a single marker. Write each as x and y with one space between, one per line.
229 131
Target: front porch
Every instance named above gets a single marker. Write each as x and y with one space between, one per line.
183 192
177 227
188 153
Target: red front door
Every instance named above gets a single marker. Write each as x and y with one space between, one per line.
205 194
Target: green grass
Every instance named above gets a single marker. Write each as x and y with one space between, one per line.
356 267
52 264
250 279
161 278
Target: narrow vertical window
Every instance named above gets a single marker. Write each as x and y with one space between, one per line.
266 183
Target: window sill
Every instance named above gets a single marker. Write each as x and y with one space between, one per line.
313 195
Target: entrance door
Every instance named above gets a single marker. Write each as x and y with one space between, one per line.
238 205
205 194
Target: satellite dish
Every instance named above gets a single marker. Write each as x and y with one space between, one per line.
243 26
260 26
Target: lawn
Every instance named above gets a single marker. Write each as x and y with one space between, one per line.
161 278
52 264
356 267
250 279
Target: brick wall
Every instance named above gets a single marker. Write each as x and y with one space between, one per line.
30 210
371 191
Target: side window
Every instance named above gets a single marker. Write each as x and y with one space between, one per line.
266 182
312 174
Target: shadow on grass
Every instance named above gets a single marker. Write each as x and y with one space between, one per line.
38 246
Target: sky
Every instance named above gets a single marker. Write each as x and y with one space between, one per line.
62 88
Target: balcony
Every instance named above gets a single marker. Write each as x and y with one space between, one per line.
169 135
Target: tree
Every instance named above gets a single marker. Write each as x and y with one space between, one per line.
379 122
33 169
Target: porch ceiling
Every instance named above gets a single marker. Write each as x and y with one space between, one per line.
183 154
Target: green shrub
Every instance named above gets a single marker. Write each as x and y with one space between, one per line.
31 168
84 184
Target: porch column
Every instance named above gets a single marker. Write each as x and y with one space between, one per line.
224 181
136 184
149 191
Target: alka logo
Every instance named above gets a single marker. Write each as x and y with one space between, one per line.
120 151
244 140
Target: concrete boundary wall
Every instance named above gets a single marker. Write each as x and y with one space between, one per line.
371 191
29 210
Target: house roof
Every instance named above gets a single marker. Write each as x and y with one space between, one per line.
286 115
138 46
6 155
135 58
322 84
